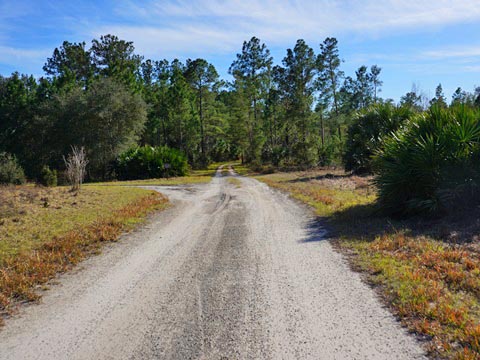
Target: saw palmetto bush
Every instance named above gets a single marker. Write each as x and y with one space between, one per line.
431 163
366 132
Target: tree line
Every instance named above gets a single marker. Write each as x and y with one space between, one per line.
109 100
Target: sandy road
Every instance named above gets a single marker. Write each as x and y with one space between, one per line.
229 272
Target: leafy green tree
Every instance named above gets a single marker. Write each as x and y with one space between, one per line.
19 99
156 85
116 58
477 96
413 100
330 78
252 70
363 92
459 97
439 99
181 107
298 83
330 75
117 117
106 119
203 77
376 82
70 64
272 127
10 171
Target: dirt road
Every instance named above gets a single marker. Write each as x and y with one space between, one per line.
229 272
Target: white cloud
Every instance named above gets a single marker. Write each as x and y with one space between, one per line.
27 61
453 52
472 68
12 55
218 26
171 43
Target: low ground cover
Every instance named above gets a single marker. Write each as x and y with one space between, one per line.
194 177
427 270
44 231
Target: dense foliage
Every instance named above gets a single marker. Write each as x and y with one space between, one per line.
431 162
366 132
106 98
151 162
10 171
48 177
301 112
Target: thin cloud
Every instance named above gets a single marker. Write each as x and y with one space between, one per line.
317 16
457 52
12 54
177 27
472 68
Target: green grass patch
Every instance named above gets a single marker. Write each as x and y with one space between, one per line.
200 176
241 169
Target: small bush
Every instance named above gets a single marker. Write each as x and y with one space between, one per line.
76 165
151 162
10 171
48 177
433 161
366 132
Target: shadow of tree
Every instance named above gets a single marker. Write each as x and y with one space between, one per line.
319 177
366 222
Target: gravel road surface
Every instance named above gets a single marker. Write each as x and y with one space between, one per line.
229 272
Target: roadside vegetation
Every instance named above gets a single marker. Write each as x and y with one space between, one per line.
410 222
44 231
406 209
193 177
426 269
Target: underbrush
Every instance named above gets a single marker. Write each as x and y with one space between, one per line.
151 162
426 269
194 177
46 231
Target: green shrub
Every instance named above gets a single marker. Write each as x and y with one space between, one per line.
431 162
48 177
151 162
10 171
326 154
366 132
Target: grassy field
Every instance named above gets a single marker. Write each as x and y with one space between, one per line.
426 270
32 215
44 231
194 177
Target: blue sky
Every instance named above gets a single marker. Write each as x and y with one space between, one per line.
419 42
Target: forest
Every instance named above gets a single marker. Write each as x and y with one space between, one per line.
134 115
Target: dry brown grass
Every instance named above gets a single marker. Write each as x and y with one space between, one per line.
31 215
328 191
57 248
434 287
